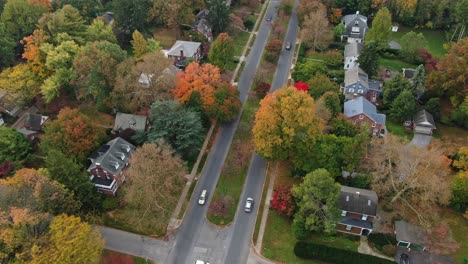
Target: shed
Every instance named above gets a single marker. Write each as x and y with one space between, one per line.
423 123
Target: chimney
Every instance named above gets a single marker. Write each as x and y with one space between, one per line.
182 53
357 12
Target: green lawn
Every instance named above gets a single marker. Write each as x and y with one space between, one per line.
240 41
398 130
459 228
395 64
435 39
270 170
235 168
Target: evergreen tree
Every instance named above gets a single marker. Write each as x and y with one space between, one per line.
139 44
369 58
219 15
419 79
403 107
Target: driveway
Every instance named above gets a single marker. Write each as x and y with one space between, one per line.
421 140
416 257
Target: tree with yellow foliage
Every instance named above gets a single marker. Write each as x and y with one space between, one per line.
139 44
286 126
69 240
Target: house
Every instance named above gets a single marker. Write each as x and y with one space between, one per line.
351 55
360 111
123 121
108 165
423 123
30 125
357 83
409 235
183 50
9 103
358 211
202 25
355 27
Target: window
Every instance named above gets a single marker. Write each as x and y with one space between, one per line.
369 202
364 217
361 116
351 90
107 177
348 227
356 22
360 91
343 213
373 125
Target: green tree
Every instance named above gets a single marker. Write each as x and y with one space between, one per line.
65 20
153 45
95 68
410 43
332 102
433 107
178 126
319 84
369 58
139 44
219 15
130 15
99 30
403 107
419 79
13 146
317 202
339 30
20 17
66 170
226 105
381 28
304 71
7 46
342 127
285 126
69 240
222 51
459 198
394 87
88 8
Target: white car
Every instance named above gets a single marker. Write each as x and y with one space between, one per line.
248 205
201 262
202 198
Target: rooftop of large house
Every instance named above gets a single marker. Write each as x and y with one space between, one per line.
112 156
357 200
361 105
356 75
187 48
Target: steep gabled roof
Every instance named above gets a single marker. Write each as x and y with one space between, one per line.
112 156
425 119
361 105
352 49
189 48
356 75
357 200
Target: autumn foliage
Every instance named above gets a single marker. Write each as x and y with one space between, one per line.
73 133
301 86
32 53
273 49
282 200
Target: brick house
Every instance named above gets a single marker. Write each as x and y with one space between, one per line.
108 165
183 50
357 83
358 211
360 111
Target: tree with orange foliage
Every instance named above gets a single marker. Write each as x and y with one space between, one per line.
32 52
285 125
198 78
73 133
44 3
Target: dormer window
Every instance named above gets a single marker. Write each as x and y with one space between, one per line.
116 164
355 30
351 90
107 177
361 91
343 213
373 125
364 217
356 22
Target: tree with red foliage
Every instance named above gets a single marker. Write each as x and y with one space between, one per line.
282 200
262 88
430 63
6 167
273 49
220 206
301 86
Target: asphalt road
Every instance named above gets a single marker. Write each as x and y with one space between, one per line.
244 223
189 232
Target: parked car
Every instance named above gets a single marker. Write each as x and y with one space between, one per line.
269 18
288 45
248 205
201 262
404 258
202 198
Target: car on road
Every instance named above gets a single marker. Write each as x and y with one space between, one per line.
404 258
202 198
288 45
248 205
201 262
269 18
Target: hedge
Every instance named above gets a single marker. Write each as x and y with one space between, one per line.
381 239
308 250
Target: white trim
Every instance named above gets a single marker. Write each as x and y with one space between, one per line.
107 187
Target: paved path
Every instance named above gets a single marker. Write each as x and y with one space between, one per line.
421 140
364 248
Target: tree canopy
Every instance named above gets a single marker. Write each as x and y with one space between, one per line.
20 17
13 146
64 20
7 45
222 51
369 58
394 87
316 30
155 180
100 31
320 84
304 71
285 125
73 133
219 15
411 43
381 28
317 202
403 107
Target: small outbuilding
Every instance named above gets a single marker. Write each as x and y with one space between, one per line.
125 121
423 123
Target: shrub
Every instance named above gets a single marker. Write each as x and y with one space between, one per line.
110 203
360 181
262 88
273 49
299 230
309 250
379 240
282 200
249 24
